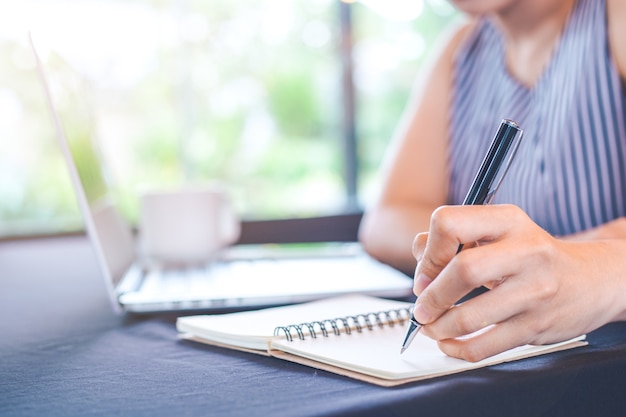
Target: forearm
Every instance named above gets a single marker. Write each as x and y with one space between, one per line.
605 264
614 261
387 234
615 229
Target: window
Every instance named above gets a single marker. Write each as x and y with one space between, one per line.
249 93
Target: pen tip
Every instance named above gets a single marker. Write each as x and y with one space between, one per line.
402 350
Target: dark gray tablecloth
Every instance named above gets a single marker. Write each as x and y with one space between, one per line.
63 353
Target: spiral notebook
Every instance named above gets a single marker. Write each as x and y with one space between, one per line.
355 335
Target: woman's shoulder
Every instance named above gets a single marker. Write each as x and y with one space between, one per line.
453 41
616 18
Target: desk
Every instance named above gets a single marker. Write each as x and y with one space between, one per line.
63 352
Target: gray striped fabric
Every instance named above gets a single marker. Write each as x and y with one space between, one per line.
570 171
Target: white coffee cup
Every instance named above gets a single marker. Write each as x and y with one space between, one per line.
187 225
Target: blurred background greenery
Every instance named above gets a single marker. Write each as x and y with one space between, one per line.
244 92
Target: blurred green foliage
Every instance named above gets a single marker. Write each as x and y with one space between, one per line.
246 93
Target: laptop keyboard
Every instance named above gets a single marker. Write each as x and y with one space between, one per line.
232 279
244 278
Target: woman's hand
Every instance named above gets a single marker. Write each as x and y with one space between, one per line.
543 289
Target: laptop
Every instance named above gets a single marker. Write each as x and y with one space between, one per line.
242 277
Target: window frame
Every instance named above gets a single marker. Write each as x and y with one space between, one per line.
341 226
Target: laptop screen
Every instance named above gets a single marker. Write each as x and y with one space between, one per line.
67 98
229 284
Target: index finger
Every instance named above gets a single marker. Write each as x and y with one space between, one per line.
443 242
450 227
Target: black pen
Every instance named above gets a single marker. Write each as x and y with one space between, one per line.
487 181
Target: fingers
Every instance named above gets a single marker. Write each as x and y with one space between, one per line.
421 281
485 326
419 244
442 243
539 283
470 269
451 226
495 339
482 311
443 276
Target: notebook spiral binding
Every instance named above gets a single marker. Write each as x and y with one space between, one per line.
346 324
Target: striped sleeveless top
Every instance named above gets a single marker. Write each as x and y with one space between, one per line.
570 171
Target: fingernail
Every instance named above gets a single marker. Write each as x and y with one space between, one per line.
421 282
420 314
